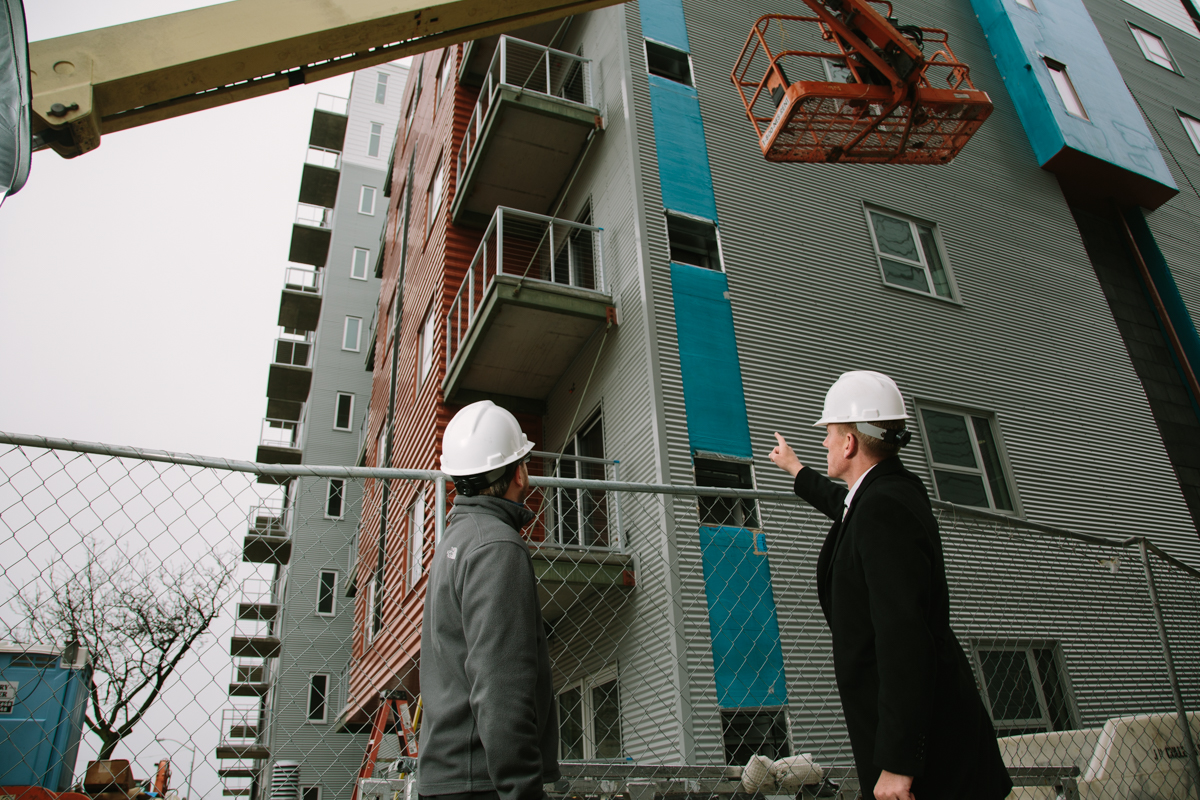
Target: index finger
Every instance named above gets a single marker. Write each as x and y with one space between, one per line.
779 437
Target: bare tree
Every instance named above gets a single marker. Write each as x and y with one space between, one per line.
138 620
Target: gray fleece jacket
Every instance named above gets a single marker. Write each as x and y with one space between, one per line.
488 719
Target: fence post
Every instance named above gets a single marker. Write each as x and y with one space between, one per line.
617 508
1185 726
439 514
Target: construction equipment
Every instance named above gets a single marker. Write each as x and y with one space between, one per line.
393 701
861 87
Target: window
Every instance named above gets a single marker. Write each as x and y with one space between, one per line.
730 511
580 516
380 447
1192 126
408 113
1153 48
1066 89
966 458
443 76
693 241
352 334
327 592
381 87
755 731
366 201
667 62
373 139
589 720
318 694
335 496
416 539
358 263
428 329
1028 4
1182 15
1024 687
343 412
433 196
909 255
310 793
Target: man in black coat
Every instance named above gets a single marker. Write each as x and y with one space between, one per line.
917 725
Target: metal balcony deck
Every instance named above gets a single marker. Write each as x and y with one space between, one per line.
300 301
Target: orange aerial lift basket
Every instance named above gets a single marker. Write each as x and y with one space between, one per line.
850 84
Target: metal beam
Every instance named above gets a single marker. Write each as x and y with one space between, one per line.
96 82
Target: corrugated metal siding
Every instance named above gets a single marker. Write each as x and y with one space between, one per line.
364 110
1170 11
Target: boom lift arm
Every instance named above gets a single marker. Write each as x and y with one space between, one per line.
92 83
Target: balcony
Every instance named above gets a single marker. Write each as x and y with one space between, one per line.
580 558
532 297
250 678
255 632
279 442
300 305
290 375
267 540
319 184
328 130
243 734
535 107
310 234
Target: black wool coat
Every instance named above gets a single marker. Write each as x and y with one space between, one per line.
907 690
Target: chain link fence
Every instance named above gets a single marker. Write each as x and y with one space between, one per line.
247 623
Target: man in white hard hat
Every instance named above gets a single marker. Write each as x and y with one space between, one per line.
917 725
489 728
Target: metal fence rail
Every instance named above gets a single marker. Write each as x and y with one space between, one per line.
689 652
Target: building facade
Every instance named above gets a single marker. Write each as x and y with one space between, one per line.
294 621
583 229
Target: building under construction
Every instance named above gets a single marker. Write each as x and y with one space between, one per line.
584 229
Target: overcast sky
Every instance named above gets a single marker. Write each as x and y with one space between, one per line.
139 283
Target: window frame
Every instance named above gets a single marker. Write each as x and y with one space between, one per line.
414 517
333 593
374 138
308 709
337 401
567 509
967 412
914 224
1029 4
1055 67
305 789
425 346
1135 30
437 181
362 196
1028 646
381 82
1191 127
691 218
585 685
751 512
782 711
357 335
647 41
442 77
366 260
329 494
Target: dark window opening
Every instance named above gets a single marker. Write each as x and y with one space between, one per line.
334 498
755 732
325 592
318 691
341 417
1025 689
729 511
694 242
667 62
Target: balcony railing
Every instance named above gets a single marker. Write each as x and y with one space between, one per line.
302 279
314 216
532 247
580 518
323 157
332 103
532 68
268 518
294 351
280 433
243 726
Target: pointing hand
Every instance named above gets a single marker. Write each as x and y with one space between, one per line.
784 457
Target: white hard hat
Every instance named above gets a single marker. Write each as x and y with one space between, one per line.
862 396
482 438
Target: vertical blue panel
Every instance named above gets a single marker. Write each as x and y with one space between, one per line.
708 361
662 21
742 623
1062 30
39 738
1168 291
682 151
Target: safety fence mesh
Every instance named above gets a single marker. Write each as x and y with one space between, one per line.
251 625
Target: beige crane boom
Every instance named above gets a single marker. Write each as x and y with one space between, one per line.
96 82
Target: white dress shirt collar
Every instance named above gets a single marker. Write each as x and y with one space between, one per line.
854 489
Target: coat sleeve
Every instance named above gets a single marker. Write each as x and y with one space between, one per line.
821 493
500 614
894 551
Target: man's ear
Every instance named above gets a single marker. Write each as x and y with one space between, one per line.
851 448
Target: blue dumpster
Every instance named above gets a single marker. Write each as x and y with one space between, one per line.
43 695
